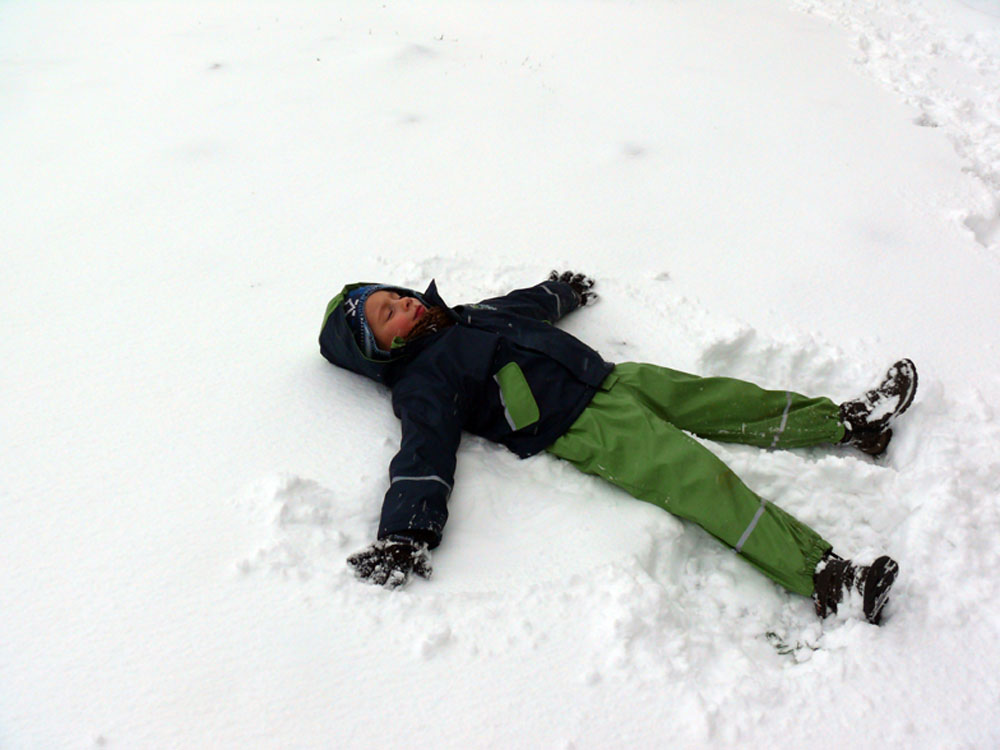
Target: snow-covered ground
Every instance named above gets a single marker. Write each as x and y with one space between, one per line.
795 193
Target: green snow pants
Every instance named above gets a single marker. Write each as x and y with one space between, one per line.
632 434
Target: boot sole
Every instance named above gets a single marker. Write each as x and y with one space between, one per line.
878 583
882 424
907 399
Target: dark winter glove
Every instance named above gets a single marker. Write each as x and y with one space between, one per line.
579 283
389 562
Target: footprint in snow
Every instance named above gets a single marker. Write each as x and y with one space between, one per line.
634 150
414 53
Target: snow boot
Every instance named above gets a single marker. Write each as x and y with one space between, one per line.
867 419
835 577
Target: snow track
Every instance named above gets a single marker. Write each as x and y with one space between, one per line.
944 59
543 565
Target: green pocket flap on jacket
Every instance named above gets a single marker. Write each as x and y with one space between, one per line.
515 394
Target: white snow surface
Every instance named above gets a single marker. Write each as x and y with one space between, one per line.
794 193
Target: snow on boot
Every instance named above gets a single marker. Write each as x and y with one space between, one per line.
836 578
867 419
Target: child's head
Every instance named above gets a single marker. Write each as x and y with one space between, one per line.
378 315
366 325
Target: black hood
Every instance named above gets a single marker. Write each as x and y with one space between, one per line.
337 342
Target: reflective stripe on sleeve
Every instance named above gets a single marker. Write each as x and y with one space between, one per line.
428 478
558 301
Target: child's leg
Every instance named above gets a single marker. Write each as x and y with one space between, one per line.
731 410
621 440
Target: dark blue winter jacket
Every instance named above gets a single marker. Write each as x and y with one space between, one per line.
503 371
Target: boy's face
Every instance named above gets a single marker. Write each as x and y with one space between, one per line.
389 315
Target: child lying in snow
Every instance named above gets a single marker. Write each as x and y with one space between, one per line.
501 370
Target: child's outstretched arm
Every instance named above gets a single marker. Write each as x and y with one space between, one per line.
421 476
560 294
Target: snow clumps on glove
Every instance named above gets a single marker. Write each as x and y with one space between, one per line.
579 283
390 562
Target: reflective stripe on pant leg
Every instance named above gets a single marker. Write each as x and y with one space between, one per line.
784 420
750 527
